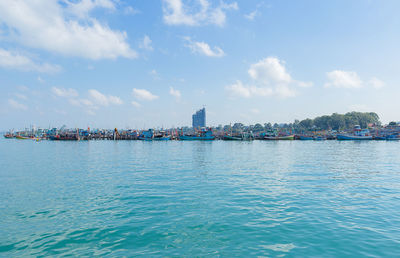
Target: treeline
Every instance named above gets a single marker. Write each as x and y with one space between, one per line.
341 122
338 122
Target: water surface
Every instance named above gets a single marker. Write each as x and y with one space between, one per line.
261 198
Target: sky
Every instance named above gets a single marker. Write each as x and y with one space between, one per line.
141 64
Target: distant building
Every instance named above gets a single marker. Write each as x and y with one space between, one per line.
199 118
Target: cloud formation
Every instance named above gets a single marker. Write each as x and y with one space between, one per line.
195 13
18 61
376 83
343 79
136 104
269 70
84 7
16 105
66 93
175 93
269 78
251 16
146 43
143 94
203 48
64 27
350 80
103 100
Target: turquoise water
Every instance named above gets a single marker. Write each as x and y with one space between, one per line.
132 198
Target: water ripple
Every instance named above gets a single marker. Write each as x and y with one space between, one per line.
110 198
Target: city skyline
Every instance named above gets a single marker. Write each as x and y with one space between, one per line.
153 64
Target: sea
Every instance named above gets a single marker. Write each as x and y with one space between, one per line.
199 199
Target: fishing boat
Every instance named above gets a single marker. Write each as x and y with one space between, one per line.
393 137
162 138
379 138
357 135
305 137
281 137
202 135
66 137
20 137
319 138
238 137
8 136
150 135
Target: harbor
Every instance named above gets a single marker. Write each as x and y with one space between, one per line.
359 127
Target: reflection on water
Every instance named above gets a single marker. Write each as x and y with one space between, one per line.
131 198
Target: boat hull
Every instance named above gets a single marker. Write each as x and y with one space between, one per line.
236 138
196 138
279 138
55 138
392 138
155 139
306 138
344 137
21 137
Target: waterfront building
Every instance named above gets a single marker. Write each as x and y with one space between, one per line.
199 118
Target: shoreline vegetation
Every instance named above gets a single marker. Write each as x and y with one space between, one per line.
349 126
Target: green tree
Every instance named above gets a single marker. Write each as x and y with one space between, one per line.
306 123
258 128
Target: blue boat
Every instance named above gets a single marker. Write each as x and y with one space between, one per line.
357 135
393 137
149 135
203 135
305 138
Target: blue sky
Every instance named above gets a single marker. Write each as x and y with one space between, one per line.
140 64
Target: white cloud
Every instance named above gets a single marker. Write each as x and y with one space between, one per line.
136 104
17 61
376 83
83 8
143 94
103 100
343 79
251 16
304 84
175 93
269 70
203 48
146 43
200 12
269 78
129 10
82 102
284 91
154 74
15 104
20 96
238 89
64 27
66 93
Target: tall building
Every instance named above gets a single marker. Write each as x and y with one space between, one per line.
199 118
